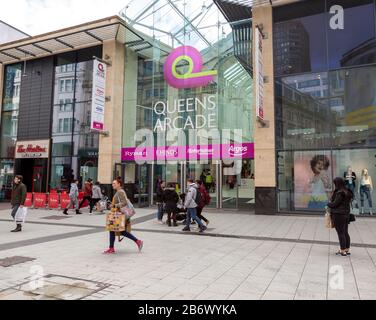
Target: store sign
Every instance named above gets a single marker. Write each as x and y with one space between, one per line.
199 152
259 75
33 149
98 96
195 77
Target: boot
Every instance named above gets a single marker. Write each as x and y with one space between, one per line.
78 211
169 222
18 228
175 224
65 212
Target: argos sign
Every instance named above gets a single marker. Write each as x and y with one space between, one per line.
194 77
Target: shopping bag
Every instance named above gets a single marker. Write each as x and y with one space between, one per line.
21 215
115 221
328 220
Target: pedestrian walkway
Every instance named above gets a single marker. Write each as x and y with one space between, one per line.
242 256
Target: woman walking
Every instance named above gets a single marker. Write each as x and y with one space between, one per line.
171 199
340 211
73 197
120 200
97 194
159 201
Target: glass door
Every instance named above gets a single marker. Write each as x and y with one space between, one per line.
37 179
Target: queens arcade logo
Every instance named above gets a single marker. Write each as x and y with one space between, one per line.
195 76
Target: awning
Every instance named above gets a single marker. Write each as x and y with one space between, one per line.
74 38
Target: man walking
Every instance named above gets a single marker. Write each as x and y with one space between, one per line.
88 194
73 196
18 199
193 196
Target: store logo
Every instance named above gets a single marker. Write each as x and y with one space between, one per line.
337 21
100 67
194 77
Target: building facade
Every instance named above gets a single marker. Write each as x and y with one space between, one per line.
181 102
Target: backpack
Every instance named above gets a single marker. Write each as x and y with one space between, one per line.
198 198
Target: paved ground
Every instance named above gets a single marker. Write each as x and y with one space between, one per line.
242 256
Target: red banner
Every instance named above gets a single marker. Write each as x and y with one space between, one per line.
53 201
40 200
29 200
64 200
81 197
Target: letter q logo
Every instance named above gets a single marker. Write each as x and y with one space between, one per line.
194 77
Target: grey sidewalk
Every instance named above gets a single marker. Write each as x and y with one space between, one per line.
245 257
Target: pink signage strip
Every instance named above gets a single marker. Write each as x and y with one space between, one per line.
200 152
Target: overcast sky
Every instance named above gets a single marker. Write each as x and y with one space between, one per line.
40 16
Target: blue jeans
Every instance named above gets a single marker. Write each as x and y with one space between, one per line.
125 234
365 191
14 210
192 214
160 212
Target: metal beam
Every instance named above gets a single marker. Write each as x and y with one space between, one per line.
26 52
93 36
145 10
196 17
189 22
64 43
41 48
10 55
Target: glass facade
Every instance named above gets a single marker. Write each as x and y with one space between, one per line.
187 115
9 126
74 146
325 64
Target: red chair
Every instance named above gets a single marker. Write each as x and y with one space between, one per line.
40 200
64 200
29 200
80 198
53 201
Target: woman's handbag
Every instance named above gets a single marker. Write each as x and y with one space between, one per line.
328 220
128 210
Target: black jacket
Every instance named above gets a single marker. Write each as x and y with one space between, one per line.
171 199
340 202
159 197
347 182
18 194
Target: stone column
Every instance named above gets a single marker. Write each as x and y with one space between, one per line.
110 146
265 154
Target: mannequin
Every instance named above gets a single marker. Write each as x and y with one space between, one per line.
350 178
365 189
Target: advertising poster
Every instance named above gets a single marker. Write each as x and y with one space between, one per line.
99 96
313 172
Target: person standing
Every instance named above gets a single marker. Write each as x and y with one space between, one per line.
119 201
205 200
340 211
88 194
171 199
159 200
365 190
191 205
18 199
97 193
73 196
208 181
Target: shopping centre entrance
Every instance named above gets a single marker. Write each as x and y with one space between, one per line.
235 192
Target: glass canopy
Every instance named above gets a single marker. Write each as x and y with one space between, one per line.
177 22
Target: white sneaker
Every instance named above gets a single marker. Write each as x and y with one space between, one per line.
160 222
